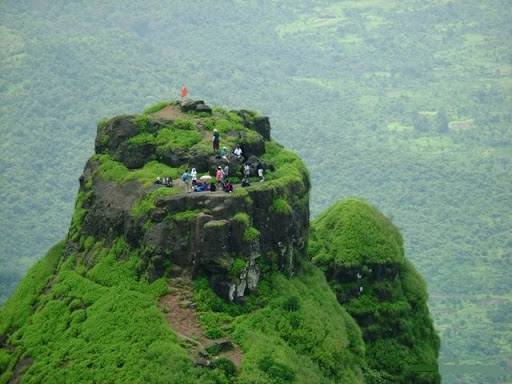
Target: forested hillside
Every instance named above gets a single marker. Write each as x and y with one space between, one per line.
405 104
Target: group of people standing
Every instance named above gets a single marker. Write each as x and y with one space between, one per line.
221 177
239 154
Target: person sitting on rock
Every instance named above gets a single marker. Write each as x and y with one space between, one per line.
205 186
198 187
224 154
227 187
213 187
158 180
238 152
168 181
246 182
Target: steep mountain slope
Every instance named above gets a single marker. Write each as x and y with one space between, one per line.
102 305
362 255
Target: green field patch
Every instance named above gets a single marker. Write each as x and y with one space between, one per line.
12 43
505 152
374 21
461 125
350 39
313 80
399 127
432 143
475 38
305 23
361 4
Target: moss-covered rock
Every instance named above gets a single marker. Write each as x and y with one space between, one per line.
361 253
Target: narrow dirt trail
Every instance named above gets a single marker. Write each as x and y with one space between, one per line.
170 112
181 315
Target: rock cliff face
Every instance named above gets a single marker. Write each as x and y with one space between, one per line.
222 235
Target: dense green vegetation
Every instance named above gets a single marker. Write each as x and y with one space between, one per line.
404 104
290 333
353 233
91 319
361 253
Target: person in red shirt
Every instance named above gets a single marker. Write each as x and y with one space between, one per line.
227 187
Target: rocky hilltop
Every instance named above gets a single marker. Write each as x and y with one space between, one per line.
157 283
205 232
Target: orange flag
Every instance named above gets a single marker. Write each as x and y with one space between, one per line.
183 92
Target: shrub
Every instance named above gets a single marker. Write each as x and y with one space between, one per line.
225 365
237 268
281 206
251 234
276 370
291 304
143 123
242 217
89 242
185 215
213 333
223 125
105 139
170 138
4 360
78 217
103 123
110 169
142 138
147 202
184 125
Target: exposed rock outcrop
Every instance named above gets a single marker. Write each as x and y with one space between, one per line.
223 235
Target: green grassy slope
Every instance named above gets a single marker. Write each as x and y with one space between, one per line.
102 324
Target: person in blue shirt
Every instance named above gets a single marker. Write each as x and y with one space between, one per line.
186 179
